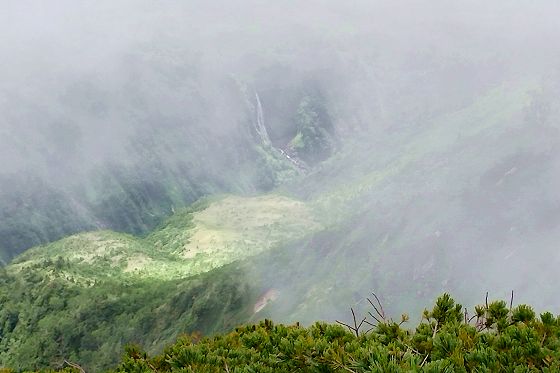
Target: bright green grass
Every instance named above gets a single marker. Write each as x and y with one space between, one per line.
190 242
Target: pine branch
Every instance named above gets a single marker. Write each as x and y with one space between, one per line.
74 365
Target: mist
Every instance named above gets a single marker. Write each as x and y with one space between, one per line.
441 172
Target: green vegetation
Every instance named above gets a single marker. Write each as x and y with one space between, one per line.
331 153
87 295
388 220
165 169
314 140
495 339
46 319
208 235
494 114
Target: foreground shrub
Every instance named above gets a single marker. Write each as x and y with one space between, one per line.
496 338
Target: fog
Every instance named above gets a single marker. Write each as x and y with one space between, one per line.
86 66
103 101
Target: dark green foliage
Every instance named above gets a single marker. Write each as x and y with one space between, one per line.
45 320
314 141
445 341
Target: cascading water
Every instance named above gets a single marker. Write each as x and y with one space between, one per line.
260 128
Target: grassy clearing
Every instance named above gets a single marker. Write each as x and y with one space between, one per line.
189 243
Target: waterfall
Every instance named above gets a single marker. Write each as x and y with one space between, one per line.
265 139
260 127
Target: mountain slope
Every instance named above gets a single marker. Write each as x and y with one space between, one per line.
447 208
208 235
86 295
394 218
